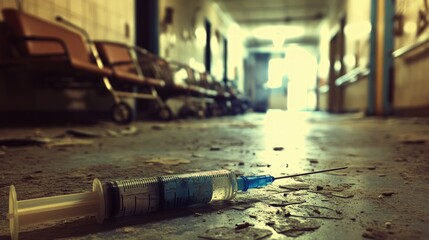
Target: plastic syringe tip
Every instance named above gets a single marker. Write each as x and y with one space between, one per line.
244 183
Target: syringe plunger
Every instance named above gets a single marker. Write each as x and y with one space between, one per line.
34 211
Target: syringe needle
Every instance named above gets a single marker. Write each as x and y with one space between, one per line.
309 173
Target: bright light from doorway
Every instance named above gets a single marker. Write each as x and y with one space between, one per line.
278 32
302 73
275 73
358 30
201 37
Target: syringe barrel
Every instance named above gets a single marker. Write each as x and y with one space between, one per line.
144 195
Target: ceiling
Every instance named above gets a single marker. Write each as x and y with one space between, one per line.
252 15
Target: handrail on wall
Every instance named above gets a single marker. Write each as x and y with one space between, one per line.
352 76
404 50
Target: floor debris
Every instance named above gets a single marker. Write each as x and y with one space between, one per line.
285 203
342 195
131 130
313 211
295 186
112 133
126 230
197 155
261 165
243 225
68 142
68 170
388 225
81 133
386 194
227 233
23 142
270 223
241 206
312 160
375 234
215 148
243 125
168 161
293 227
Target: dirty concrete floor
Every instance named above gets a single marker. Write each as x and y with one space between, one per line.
382 195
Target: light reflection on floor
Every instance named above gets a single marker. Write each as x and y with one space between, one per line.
287 130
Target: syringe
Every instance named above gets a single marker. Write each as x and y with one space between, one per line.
136 196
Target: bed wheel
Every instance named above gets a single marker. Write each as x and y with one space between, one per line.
165 114
122 113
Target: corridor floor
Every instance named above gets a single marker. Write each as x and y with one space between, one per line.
381 195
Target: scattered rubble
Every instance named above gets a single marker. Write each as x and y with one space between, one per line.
112 133
313 211
285 203
388 225
81 134
241 206
312 160
131 130
227 233
243 225
342 195
126 229
23 142
296 186
68 142
48 142
386 194
196 155
261 165
270 223
168 161
374 234
293 227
